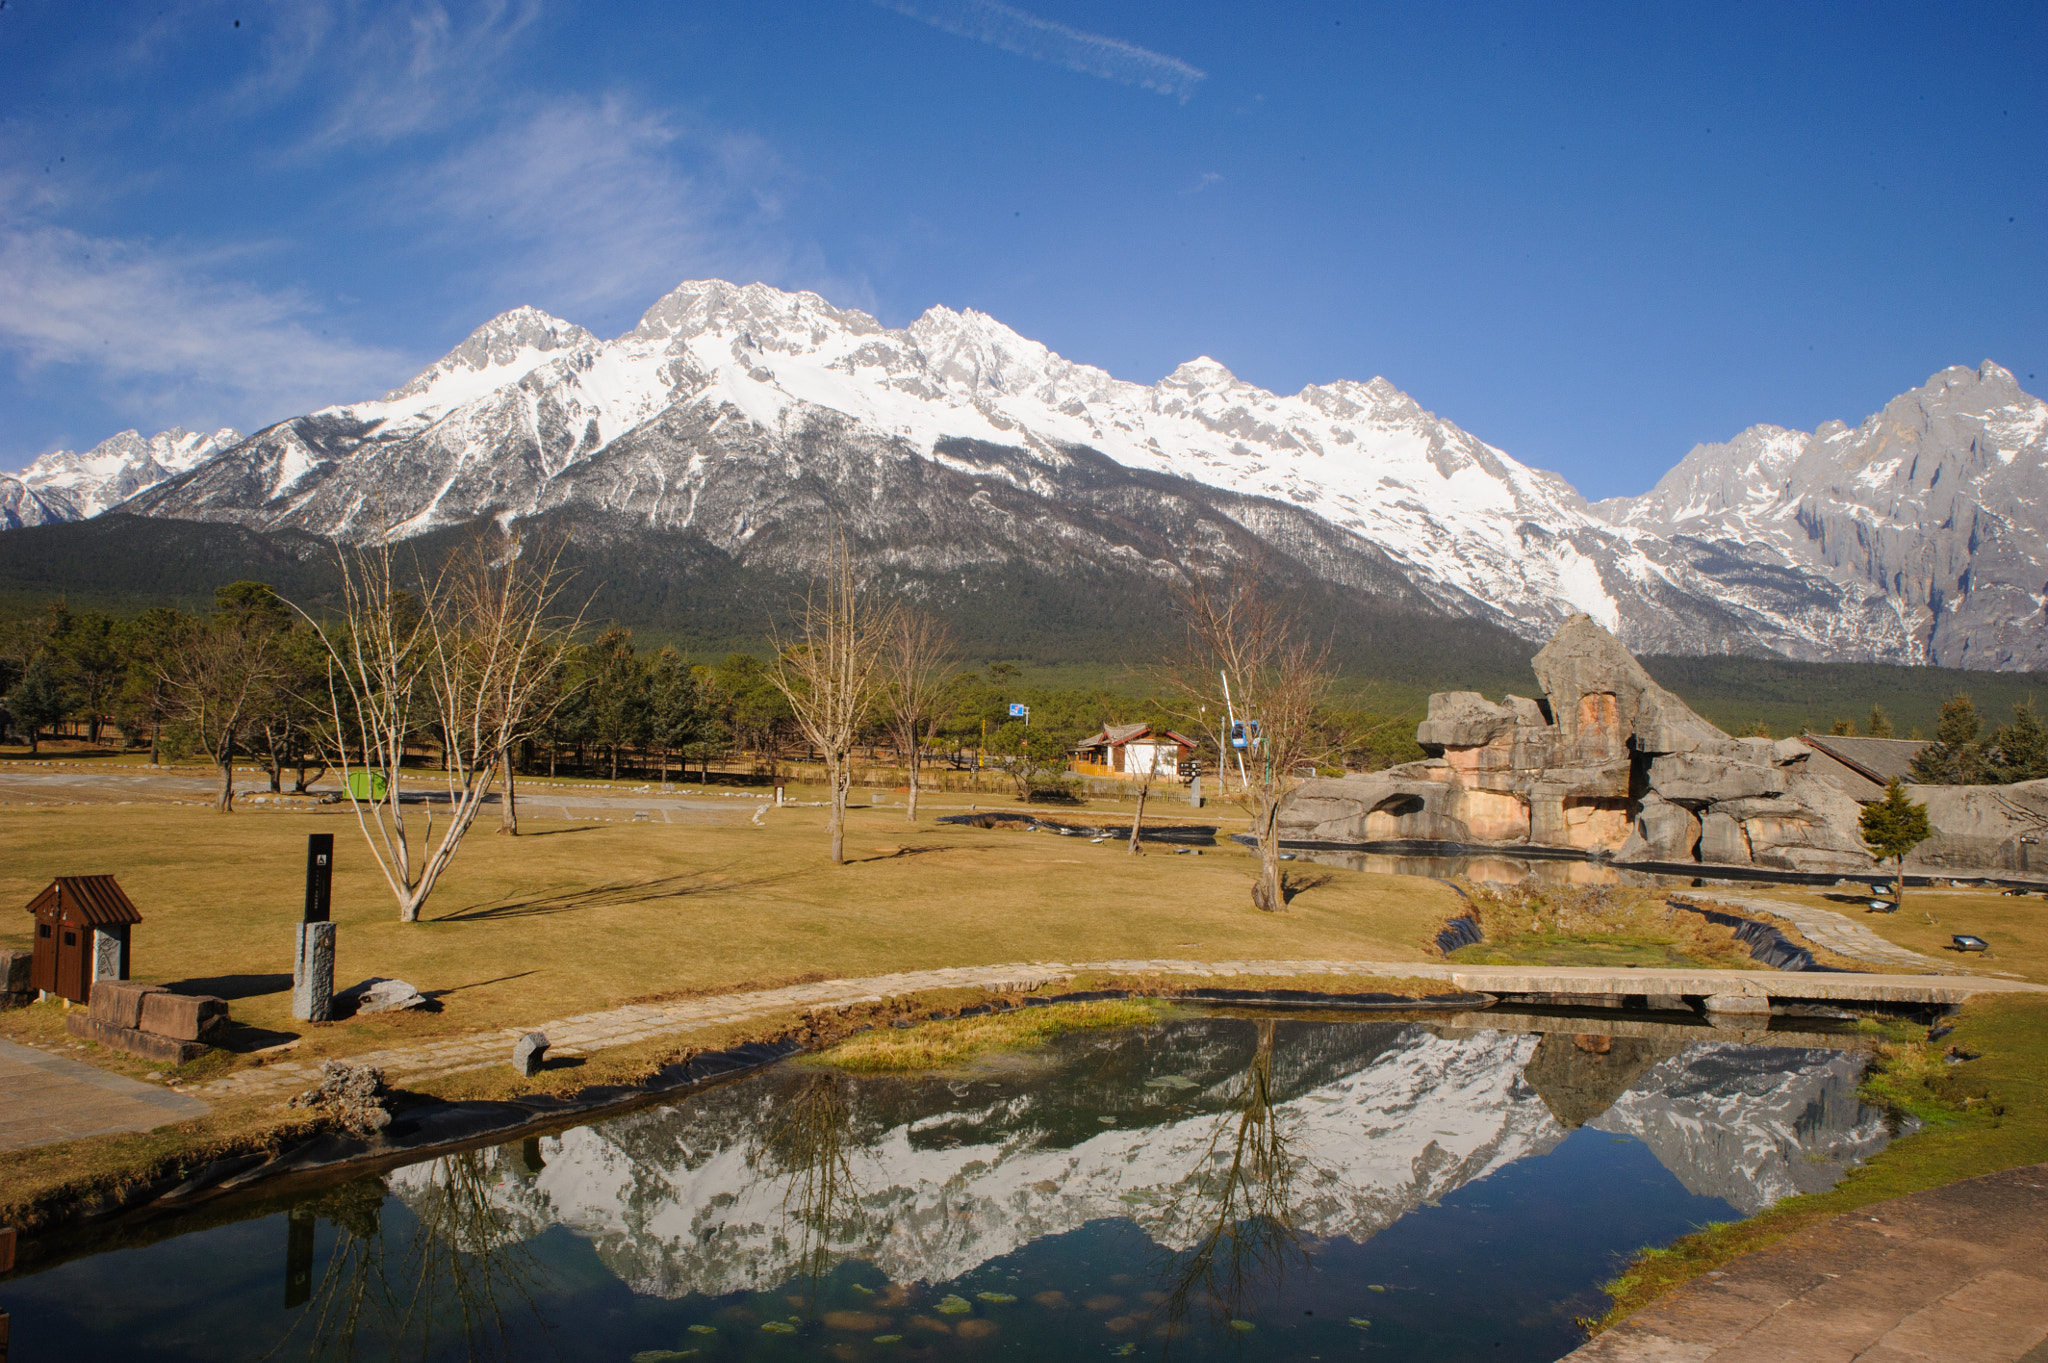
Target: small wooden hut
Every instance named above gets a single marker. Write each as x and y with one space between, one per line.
82 927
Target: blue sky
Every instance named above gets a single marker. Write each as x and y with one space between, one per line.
1591 235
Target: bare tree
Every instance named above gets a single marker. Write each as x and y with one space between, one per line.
217 675
830 672
472 657
916 659
503 599
1246 661
1145 780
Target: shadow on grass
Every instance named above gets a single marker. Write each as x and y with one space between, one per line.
473 984
557 832
898 853
242 1039
615 895
234 986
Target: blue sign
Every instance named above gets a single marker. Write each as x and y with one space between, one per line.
1020 710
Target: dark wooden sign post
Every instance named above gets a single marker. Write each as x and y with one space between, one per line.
313 954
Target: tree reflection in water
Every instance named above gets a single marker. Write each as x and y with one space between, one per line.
1234 1210
812 1145
379 1299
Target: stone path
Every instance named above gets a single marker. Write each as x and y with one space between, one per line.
1956 1274
586 1032
45 1098
1842 935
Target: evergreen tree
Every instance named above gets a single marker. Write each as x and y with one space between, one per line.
37 700
1879 725
92 664
1893 827
2019 751
676 709
617 693
1843 728
1954 758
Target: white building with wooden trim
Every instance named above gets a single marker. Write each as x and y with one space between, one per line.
1128 751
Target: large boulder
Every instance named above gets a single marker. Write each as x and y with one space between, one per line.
1398 804
1600 697
1984 827
1663 832
1699 778
1463 719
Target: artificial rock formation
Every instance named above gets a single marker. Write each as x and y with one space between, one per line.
1608 762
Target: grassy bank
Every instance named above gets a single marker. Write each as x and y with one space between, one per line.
1595 925
944 1045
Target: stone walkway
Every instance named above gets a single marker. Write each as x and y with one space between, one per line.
45 1098
1840 934
1952 1275
586 1032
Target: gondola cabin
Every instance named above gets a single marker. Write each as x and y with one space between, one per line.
82 927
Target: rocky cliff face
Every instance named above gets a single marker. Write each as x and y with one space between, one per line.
1937 502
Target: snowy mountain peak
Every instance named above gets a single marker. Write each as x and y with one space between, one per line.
501 351
712 306
73 486
1200 372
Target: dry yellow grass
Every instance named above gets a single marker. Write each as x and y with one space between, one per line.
583 915
2016 927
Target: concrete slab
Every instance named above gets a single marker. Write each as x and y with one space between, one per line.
1952 1275
47 1098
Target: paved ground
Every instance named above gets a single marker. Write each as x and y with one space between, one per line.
46 1098
1953 1275
1837 932
586 1032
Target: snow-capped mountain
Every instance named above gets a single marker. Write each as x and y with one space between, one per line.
747 417
68 486
1940 501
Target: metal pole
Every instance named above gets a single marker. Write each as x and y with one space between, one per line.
1230 710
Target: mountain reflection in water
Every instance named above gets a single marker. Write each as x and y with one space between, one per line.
930 1178
1269 1189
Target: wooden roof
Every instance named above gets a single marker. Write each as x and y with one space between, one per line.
91 901
1879 759
1116 735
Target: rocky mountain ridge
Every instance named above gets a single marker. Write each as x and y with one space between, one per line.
69 486
1940 501
955 448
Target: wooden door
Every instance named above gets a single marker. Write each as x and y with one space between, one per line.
74 954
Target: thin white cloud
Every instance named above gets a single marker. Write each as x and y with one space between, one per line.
380 70
168 341
1043 40
587 204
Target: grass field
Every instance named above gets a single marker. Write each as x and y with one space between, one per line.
579 915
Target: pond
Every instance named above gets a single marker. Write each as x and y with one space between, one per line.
1212 1186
